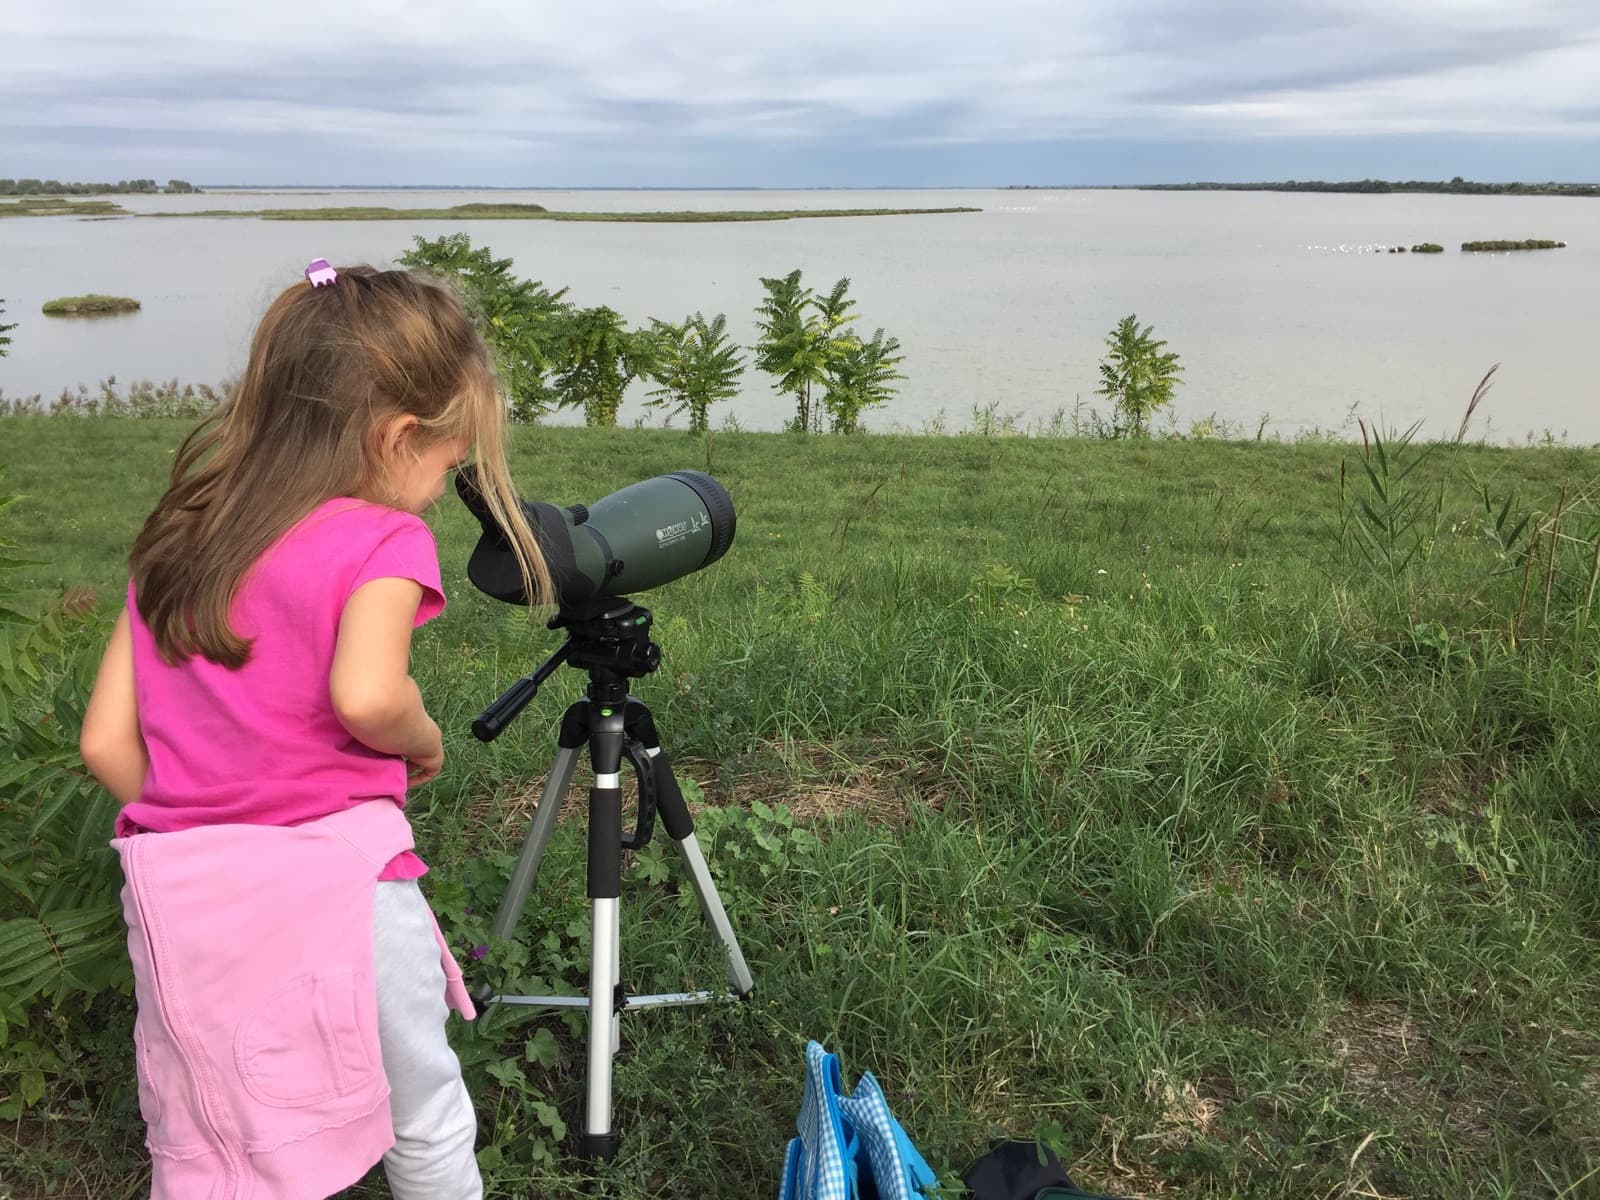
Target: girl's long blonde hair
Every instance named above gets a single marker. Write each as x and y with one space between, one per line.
328 367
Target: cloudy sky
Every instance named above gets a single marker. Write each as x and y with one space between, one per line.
796 93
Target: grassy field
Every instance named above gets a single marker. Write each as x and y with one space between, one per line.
1099 791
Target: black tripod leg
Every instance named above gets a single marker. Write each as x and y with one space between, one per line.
679 825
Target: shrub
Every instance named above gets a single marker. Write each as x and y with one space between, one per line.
61 933
1137 376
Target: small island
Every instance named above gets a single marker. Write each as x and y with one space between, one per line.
92 305
537 212
1525 244
60 206
36 206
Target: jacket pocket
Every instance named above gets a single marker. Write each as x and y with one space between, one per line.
314 1041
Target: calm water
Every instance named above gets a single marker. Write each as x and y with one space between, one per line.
1276 303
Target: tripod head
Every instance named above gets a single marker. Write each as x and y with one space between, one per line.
610 639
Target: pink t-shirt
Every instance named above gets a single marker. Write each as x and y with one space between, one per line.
261 745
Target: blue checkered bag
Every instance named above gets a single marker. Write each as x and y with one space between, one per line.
850 1147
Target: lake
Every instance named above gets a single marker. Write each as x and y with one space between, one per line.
1277 304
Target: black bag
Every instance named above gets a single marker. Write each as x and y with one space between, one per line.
1021 1171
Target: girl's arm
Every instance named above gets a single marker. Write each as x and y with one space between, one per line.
110 741
370 683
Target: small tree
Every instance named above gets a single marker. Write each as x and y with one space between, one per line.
794 342
524 322
861 376
4 340
1137 377
696 365
599 359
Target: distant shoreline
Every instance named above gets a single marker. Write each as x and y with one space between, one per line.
104 209
1358 187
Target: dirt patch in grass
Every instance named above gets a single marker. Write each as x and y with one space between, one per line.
815 783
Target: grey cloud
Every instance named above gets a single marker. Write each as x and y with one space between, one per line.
634 78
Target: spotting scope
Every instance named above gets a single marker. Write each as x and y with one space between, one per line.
637 538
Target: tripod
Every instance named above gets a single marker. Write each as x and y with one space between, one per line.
613 644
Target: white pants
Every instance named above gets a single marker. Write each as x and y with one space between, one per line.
434 1126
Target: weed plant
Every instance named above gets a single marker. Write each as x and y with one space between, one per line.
1147 797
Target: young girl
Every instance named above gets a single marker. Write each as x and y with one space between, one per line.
255 714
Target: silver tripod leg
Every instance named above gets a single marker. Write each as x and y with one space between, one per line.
527 868
604 966
616 974
716 916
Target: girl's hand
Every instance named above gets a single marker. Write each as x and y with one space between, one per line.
422 767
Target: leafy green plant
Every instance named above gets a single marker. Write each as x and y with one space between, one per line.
600 357
139 399
60 917
524 322
793 342
861 376
4 329
805 341
1396 516
1137 376
696 365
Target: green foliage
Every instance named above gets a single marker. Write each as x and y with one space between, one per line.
805 341
1427 248
140 399
598 359
1136 376
54 187
61 935
861 376
4 329
524 322
696 365
793 343
1395 516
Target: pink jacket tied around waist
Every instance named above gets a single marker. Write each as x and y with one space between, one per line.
260 1075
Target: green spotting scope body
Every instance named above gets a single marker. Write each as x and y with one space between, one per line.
637 538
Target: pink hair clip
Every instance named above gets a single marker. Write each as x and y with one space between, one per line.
320 273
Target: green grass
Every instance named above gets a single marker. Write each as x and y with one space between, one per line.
536 212
1099 788
89 306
